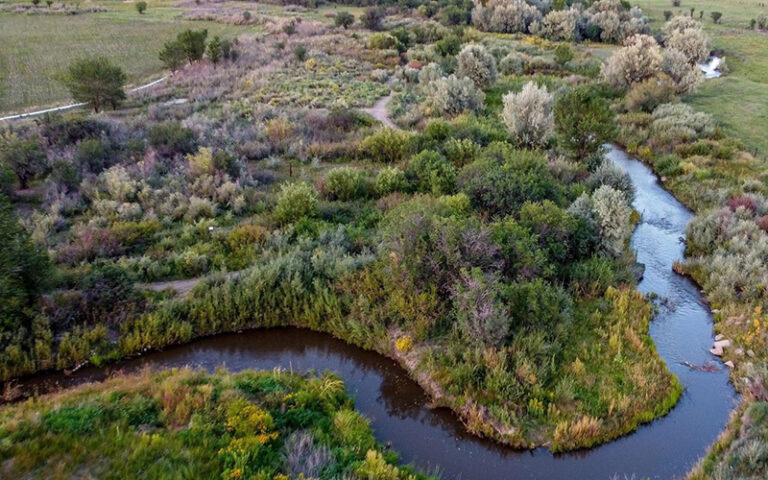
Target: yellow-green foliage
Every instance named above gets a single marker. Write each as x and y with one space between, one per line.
187 423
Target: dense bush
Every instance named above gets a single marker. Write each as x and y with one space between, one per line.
613 213
687 76
386 146
584 121
649 94
171 138
430 172
501 185
505 17
343 183
23 156
295 200
390 179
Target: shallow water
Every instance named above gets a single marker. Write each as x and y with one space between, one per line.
710 69
434 439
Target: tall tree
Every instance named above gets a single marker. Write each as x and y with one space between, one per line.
193 43
96 81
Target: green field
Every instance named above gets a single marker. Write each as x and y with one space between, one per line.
739 101
35 48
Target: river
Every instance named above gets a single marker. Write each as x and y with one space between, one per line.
434 439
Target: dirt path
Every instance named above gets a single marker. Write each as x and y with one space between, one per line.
75 105
380 113
182 287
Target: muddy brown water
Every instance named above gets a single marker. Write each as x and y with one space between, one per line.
434 439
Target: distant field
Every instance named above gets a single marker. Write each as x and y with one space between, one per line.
739 100
35 48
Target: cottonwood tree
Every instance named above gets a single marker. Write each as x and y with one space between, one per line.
528 114
95 81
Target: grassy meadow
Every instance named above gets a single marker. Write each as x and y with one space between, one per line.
38 47
738 100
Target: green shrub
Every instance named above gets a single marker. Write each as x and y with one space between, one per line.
563 54
584 121
386 146
141 7
344 19
343 183
74 420
24 157
383 41
94 155
429 172
295 200
390 179
649 94
170 138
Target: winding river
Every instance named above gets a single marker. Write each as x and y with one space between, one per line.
435 440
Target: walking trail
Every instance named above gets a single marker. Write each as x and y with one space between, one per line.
75 105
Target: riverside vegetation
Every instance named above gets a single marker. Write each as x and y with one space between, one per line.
191 424
484 247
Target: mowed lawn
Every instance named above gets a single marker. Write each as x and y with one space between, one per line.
739 101
34 49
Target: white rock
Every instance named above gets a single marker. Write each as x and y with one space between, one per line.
730 364
719 336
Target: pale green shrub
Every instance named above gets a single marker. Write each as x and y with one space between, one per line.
682 118
528 114
560 25
477 64
430 73
514 62
687 35
609 174
687 76
200 208
638 60
505 16
614 216
452 96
